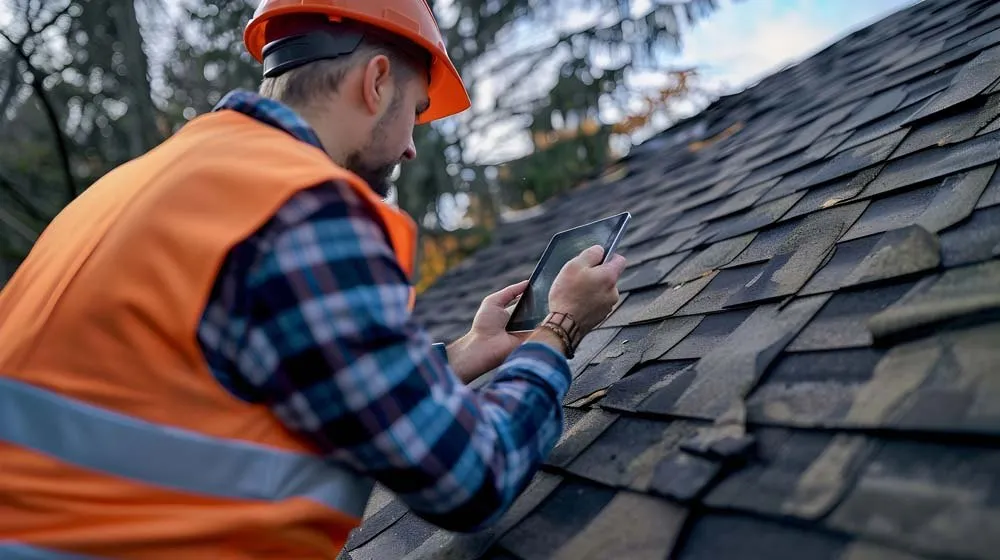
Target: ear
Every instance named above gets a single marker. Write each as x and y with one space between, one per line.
377 84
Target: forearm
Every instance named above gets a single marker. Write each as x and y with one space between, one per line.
511 425
455 456
459 354
550 339
466 360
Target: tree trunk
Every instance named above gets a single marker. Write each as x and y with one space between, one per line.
141 116
13 84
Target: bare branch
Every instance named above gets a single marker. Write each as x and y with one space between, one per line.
18 226
19 195
50 113
13 84
47 105
28 12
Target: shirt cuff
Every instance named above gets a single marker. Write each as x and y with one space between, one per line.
543 361
442 350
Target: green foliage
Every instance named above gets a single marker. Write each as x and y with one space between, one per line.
545 72
86 85
541 175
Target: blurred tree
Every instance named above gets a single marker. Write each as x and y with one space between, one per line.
29 69
550 72
89 84
104 85
208 59
550 66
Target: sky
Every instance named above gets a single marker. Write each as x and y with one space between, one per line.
748 40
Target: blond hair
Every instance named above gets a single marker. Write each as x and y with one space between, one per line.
301 86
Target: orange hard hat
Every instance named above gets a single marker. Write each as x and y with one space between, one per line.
409 19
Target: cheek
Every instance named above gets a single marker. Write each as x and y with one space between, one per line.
403 134
407 121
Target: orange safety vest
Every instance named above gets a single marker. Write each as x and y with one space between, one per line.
115 439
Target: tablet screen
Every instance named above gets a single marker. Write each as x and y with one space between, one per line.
564 246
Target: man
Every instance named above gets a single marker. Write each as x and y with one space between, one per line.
210 353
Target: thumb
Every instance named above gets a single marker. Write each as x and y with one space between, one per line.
592 256
506 296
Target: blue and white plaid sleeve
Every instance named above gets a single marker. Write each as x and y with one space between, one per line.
312 317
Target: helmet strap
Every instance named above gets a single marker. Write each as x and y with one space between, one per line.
288 53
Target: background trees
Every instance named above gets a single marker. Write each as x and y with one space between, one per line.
559 87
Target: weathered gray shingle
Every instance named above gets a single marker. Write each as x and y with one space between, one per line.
805 365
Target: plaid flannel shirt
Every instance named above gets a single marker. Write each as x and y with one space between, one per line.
309 316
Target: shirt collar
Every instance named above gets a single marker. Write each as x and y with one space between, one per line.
270 112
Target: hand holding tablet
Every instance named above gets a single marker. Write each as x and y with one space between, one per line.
586 289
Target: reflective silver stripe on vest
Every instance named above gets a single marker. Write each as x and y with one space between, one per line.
106 441
17 551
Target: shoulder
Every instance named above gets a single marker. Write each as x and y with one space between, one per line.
333 206
326 224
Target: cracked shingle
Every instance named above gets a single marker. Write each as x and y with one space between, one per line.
730 371
956 199
800 255
899 252
633 342
711 258
832 195
651 377
857 158
974 240
842 323
799 473
674 298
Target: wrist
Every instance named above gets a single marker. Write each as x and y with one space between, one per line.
458 356
566 328
550 339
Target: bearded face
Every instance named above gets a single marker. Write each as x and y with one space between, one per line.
380 156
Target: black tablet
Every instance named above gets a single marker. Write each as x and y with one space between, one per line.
533 306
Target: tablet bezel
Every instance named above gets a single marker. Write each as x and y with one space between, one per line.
609 250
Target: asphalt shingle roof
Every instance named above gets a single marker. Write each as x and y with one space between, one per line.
807 360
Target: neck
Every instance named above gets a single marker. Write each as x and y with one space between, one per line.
335 145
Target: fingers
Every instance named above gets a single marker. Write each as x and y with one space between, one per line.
506 296
591 256
612 270
617 265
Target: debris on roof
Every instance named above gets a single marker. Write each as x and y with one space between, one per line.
805 360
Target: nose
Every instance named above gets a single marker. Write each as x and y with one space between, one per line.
411 151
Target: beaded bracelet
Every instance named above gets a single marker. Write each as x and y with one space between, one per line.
557 323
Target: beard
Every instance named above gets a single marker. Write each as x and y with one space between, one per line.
377 176
376 171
